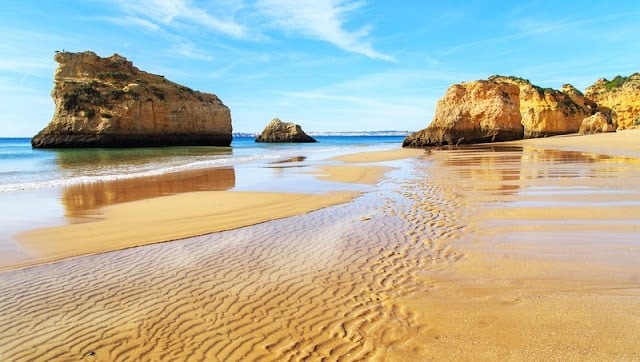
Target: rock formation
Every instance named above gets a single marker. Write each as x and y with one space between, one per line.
278 131
597 123
478 111
108 102
546 111
620 96
473 112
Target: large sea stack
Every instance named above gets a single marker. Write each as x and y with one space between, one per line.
277 131
108 102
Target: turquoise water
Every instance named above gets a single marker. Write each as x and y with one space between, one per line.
24 168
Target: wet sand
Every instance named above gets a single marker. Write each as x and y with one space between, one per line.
510 252
129 213
621 144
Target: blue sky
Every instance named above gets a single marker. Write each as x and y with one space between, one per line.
333 65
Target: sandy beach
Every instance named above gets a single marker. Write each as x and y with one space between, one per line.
518 251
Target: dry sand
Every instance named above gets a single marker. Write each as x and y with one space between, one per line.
499 252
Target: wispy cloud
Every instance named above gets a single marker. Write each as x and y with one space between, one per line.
182 14
406 98
322 20
188 50
531 27
353 112
134 21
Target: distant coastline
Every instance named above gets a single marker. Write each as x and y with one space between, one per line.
345 134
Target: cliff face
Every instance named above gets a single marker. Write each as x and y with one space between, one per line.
473 112
277 131
482 111
108 102
547 111
619 97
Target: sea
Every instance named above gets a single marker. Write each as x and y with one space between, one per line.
25 168
50 187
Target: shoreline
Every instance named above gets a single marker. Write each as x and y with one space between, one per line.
620 144
184 210
493 252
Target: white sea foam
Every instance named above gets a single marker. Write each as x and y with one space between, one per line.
131 172
43 170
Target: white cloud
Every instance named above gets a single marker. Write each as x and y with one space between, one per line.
182 13
188 50
135 21
534 27
323 20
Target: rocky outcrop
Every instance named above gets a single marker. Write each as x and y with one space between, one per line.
473 112
278 131
108 102
482 111
597 123
621 97
546 111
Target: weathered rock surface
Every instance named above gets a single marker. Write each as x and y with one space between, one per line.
473 112
108 102
597 123
278 131
620 96
546 111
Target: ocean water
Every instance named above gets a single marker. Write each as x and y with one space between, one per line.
24 168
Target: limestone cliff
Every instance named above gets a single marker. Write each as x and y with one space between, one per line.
108 102
547 111
482 111
620 97
473 112
278 131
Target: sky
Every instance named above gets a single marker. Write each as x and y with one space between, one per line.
329 65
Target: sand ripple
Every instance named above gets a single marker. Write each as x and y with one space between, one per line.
324 285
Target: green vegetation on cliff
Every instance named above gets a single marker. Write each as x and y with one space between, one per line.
616 82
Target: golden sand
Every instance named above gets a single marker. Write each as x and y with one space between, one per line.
551 252
482 253
79 200
380 156
169 218
623 143
353 174
128 213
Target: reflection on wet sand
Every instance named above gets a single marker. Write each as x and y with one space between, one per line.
507 169
78 159
291 159
525 195
82 199
458 256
